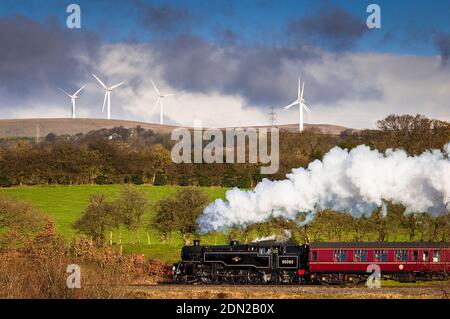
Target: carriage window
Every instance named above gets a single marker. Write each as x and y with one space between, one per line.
415 255
380 255
436 256
401 255
314 255
360 255
425 256
264 251
340 255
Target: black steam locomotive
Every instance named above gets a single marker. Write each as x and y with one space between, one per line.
272 262
264 262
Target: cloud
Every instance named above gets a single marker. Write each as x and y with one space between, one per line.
331 27
442 42
262 75
226 35
164 17
38 57
359 88
223 85
366 87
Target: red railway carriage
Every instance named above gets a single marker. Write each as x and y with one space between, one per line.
401 261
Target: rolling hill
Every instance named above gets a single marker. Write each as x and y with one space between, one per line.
10 128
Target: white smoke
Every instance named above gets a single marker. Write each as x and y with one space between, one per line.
357 181
286 235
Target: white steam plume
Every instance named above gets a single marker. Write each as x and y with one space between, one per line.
356 181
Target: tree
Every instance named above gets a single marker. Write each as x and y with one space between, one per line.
379 224
413 133
442 232
180 213
410 222
360 226
98 217
164 219
131 205
18 216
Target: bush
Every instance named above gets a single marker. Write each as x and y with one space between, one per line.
4 181
18 216
38 270
101 180
204 181
160 180
137 179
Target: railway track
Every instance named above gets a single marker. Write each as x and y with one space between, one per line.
224 291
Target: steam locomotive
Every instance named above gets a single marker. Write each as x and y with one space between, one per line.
272 262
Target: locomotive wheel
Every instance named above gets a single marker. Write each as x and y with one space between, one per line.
275 279
230 277
205 280
240 277
254 278
215 280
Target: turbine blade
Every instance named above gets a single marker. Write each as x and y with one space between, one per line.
114 86
100 81
65 92
303 90
156 103
104 101
290 105
171 94
307 109
299 92
81 89
156 89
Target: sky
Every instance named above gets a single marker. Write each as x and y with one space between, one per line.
227 62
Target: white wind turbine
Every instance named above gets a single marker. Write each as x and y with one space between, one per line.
160 100
107 94
301 104
73 98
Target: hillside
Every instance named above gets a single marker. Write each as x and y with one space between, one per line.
61 126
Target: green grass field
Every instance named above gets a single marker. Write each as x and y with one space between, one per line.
65 204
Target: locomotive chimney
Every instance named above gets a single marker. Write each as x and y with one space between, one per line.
196 242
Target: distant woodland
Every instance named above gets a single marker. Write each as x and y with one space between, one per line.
139 156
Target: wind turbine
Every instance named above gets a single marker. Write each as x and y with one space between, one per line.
160 100
107 94
301 104
73 98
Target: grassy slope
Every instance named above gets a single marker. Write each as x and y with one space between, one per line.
64 204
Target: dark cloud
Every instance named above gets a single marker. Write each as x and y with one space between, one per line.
226 35
36 57
164 17
331 27
261 75
442 42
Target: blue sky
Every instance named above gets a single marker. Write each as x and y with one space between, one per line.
228 60
406 25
